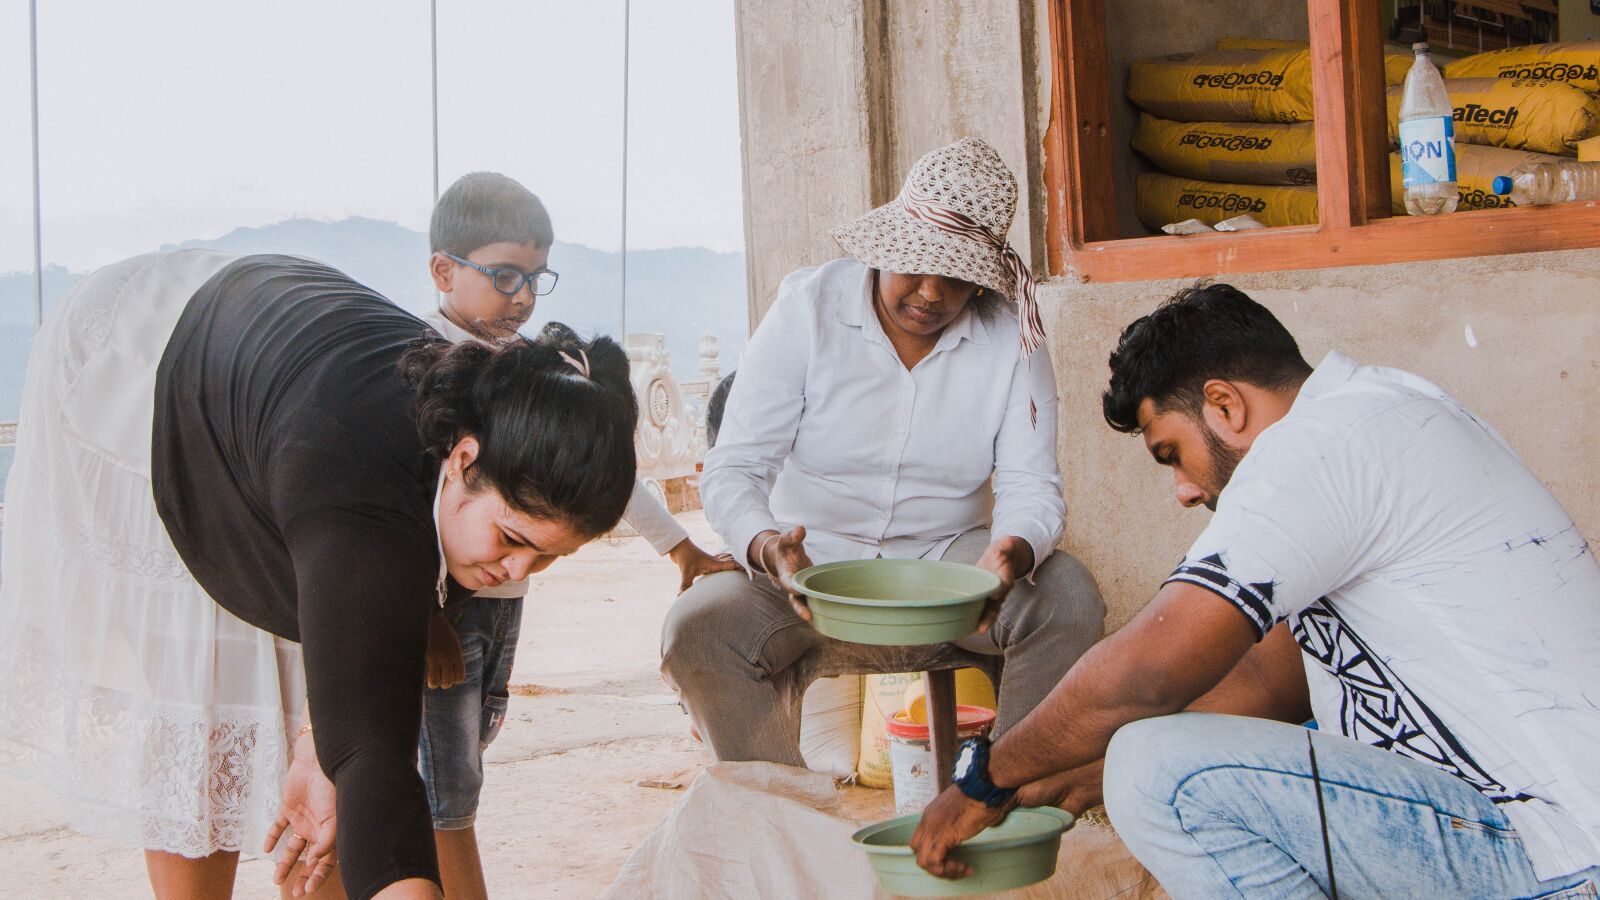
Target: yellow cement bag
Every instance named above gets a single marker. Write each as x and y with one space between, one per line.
884 695
1225 86
1163 199
1575 62
1396 61
1247 152
1476 168
1542 116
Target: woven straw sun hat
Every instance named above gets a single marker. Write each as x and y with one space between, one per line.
951 219
967 178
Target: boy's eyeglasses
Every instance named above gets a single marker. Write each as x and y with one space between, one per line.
510 281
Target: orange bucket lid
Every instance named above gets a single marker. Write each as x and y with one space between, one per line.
968 719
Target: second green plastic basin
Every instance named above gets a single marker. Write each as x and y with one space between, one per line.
896 601
1019 851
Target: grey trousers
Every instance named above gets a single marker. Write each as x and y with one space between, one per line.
742 659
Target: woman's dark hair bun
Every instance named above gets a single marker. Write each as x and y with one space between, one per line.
441 376
554 442
608 362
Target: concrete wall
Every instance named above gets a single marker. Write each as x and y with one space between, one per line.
1534 372
1578 21
812 136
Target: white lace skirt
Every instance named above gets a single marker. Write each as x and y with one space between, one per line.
161 720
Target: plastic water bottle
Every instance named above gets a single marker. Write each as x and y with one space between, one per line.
1427 140
1537 184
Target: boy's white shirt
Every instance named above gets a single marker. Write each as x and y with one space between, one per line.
645 513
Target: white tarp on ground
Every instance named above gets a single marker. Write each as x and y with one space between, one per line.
761 831
750 830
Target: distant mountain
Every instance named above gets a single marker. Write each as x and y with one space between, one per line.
680 292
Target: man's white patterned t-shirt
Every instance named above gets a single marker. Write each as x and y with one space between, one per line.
1447 606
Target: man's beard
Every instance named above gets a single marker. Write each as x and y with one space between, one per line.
1224 460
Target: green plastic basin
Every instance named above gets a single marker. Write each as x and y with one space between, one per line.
896 601
1015 853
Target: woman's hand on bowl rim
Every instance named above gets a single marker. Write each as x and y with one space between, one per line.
786 557
1009 558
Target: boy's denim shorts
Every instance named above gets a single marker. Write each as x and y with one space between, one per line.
459 723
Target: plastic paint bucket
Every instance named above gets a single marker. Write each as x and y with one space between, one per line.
911 755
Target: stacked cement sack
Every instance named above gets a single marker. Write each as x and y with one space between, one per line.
1476 169
1514 106
1502 123
1571 62
1231 131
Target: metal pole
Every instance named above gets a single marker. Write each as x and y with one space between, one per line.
433 37
627 13
38 244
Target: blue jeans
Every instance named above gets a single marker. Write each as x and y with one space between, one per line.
1222 806
459 722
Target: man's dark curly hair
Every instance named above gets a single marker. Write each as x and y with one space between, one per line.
1200 333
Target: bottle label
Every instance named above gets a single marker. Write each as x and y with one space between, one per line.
1427 151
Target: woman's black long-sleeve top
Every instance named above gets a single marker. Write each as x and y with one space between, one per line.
289 472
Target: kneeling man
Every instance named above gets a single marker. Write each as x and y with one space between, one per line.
1444 605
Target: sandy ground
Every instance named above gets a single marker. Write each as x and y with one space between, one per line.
579 775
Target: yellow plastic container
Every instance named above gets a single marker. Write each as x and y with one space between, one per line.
1225 86
885 695
1542 116
1244 152
1162 199
1575 62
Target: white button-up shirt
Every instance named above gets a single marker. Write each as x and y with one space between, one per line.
826 428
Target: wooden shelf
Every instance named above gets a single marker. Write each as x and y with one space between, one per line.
1352 165
1488 232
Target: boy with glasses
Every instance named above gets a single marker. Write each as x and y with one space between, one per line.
491 241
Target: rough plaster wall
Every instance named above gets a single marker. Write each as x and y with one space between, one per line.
1534 375
838 99
1139 29
954 70
804 115
1578 21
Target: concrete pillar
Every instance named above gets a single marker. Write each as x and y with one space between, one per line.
811 115
968 68
839 97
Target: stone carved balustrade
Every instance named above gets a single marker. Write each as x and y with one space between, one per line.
671 439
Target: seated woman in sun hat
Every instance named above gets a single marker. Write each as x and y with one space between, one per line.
890 404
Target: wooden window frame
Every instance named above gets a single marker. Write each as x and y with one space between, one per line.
1355 227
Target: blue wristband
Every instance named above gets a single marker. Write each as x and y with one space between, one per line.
972 774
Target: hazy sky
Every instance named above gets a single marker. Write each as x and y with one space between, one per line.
164 120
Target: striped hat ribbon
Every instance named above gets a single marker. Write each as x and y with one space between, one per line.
922 207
